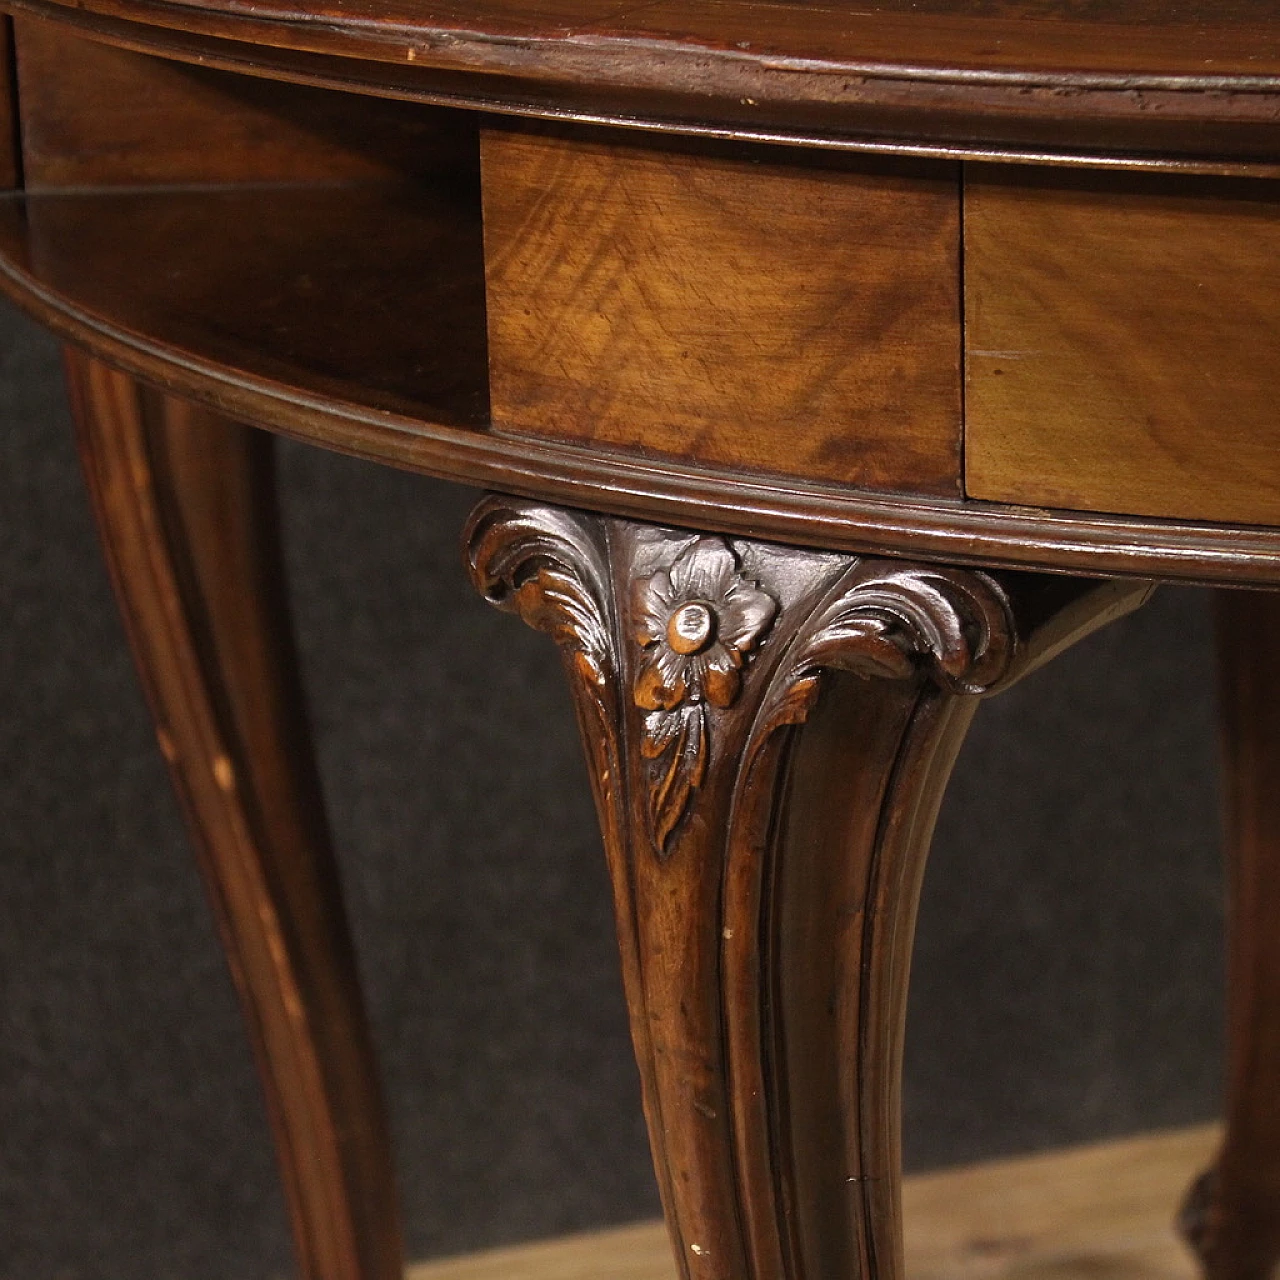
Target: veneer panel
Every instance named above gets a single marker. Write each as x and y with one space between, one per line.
1122 344
727 306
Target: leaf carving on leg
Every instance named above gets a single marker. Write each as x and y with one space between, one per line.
697 621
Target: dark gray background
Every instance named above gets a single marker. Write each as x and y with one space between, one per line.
1068 964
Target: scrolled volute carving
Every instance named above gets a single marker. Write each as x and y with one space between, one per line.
888 619
548 566
896 621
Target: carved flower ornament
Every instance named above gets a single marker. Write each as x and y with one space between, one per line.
696 621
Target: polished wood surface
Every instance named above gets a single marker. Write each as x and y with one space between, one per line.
1078 80
1121 343
94 116
267 283
265 304
1073 1214
186 509
769 734
679 354
746 308
1232 1216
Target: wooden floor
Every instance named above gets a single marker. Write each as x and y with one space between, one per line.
1091 1213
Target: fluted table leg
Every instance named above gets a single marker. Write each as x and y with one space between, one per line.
769 733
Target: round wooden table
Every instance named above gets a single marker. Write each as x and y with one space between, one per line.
836 366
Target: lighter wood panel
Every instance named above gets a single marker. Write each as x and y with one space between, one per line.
1101 1212
95 115
1123 344
726 307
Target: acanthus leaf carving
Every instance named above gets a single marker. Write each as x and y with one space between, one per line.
677 743
886 620
549 566
697 621
766 881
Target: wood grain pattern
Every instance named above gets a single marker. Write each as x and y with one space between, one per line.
746 309
1232 1216
1074 1214
766 919
1077 80
10 141
769 730
1122 345
95 115
375 345
186 511
1062 36
1105 1209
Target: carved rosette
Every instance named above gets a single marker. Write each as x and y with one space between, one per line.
696 621
707 651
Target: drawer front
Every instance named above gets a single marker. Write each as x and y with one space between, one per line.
1123 343
745 309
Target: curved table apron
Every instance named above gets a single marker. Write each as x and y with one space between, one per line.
833 368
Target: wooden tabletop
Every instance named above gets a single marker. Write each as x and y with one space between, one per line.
1132 81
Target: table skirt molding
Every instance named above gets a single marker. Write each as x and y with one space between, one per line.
812 514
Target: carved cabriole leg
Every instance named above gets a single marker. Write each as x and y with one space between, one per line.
186 510
1232 1216
769 733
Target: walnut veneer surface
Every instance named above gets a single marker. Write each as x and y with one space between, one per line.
812 426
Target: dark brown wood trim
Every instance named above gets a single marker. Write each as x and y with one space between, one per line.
1225 123
1232 1216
